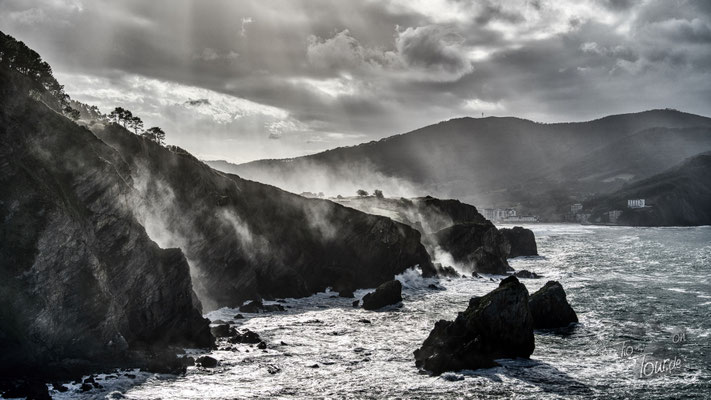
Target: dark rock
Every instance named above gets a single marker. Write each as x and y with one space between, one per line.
446 271
479 246
239 316
166 362
347 293
85 387
386 294
59 387
314 366
223 330
257 306
81 282
526 274
90 380
27 388
284 343
522 241
550 308
189 361
262 346
206 362
497 325
130 376
366 251
364 321
248 337
356 303
273 369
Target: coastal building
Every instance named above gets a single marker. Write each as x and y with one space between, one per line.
576 208
507 215
635 203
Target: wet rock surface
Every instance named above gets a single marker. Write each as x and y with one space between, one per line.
550 308
257 306
479 246
82 286
497 325
522 241
384 295
249 240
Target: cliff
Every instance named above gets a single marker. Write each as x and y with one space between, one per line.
82 286
247 240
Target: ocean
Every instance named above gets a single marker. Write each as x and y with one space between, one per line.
642 295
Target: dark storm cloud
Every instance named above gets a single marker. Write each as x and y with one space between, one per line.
316 74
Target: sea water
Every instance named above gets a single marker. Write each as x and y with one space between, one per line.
642 295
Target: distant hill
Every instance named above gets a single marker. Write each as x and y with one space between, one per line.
679 196
542 168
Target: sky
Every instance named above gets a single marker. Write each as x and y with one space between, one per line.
245 80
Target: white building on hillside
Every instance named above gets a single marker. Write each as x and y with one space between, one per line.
635 203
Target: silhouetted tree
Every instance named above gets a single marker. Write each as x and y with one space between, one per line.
136 124
378 193
16 56
361 193
155 134
121 116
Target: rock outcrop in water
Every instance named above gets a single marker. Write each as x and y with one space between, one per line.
550 308
478 246
246 240
497 325
386 294
449 225
82 286
522 241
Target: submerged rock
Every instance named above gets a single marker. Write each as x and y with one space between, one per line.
522 241
497 325
257 306
206 362
480 246
247 336
223 330
550 308
386 294
526 274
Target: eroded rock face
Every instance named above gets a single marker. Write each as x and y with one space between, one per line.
246 240
479 246
497 325
550 308
386 294
81 283
522 241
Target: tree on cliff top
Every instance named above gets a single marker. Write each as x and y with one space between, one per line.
155 134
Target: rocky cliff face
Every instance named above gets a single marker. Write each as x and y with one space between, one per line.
522 241
81 284
478 247
247 240
426 214
452 227
497 325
